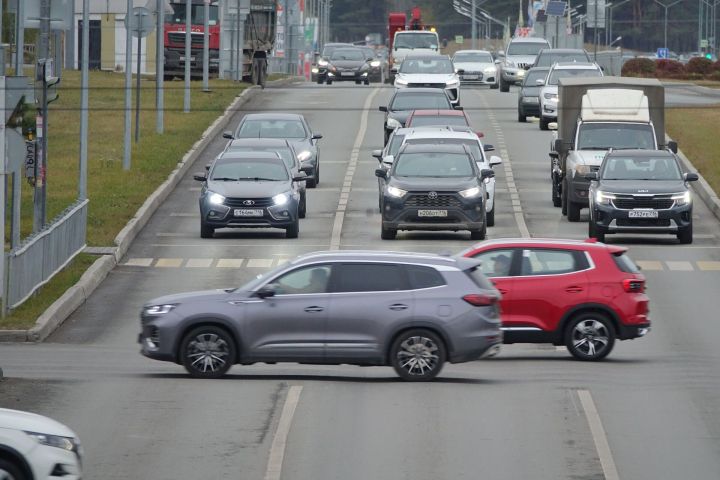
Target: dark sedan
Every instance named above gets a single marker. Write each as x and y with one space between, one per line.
348 65
290 126
406 100
319 70
529 93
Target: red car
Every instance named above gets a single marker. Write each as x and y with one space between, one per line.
582 294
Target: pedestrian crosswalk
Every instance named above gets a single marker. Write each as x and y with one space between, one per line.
678 266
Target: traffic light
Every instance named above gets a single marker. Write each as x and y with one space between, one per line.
708 56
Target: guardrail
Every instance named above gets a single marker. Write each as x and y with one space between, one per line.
42 255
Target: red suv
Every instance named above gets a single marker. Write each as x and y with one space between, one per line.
580 294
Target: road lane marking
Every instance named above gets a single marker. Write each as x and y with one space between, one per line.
598 433
679 266
349 173
649 265
260 263
199 263
279 443
139 262
230 262
169 262
707 265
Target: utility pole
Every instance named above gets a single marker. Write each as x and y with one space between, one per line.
473 13
286 35
238 45
188 53
19 36
40 193
82 178
666 7
595 31
160 68
128 86
206 46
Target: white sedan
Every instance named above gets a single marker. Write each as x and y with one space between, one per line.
476 67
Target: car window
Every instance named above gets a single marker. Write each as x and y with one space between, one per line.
269 128
496 263
557 74
352 54
395 144
304 280
533 76
548 262
475 57
369 277
433 164
625 263
602 136
427 65
640 168
285 153
525 48
231 169
424 277
472 145
547 59
429 120
420 101
416 40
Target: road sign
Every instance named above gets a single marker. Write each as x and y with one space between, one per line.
459 39
556 9
541 16
704 43
61 13
141 22
593 7
30 159
663 53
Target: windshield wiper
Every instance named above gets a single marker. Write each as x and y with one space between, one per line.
595 148
224 179
259 179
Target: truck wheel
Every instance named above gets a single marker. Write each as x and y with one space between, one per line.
319 81
685 235
388 233
504 87
573 211
521 118
206 231
328 81
494 86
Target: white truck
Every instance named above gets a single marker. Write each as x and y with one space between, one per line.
594 116
411 41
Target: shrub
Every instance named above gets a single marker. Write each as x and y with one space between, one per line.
715 75
668 68
693 76
639 67
716 66
700 65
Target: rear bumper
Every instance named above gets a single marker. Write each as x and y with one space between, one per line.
628 332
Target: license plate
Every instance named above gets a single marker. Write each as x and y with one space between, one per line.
248 212
432 213
347 74
470 77
642 214
182 59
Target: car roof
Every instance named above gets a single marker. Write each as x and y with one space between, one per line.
528 40
273 116
473 51
425 56
251 155
563 50
385 256
568 244
260 142
539 69
640 153
432 148
575 66
438 112
439 132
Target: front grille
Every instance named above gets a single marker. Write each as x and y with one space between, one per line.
424 201
524 66
154 335
240 202
427 85
594 168
196 39
631 202
642 222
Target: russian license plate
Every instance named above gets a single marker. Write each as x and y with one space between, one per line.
248 212
347 74
432 213
642 214
182 59
470 77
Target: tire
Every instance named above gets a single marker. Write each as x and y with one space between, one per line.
208 352
685 235
168 78
494 86
388 233
357 82
387 137
590 336
312 182
415 350
543 124
478 234
556 195
206 231
521 118
367 81
302 209
293 230
329 82
596 232
564 199
10 471
319 81
573 211
490 217
504 87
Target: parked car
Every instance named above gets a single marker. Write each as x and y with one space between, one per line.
476 67
641 191
550 56
429 71
404 101
34 447
409 310
581 294
549 88
517 59
249 190
529 93
290 126
434 187
348 64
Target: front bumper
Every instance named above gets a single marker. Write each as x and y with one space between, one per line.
478 78
348 76
614 220
175 61
44 459
549 110
529 106
579 190
463 214
222 216
513 75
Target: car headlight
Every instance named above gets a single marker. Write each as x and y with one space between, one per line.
401 82
159 309
375 63
315 70
304 155
603 198
392 123
684 198
66 443
215 198
521 73
551 96
322 63
581 169
470 192
365 74
509 63
490 70
395 192
281 199
452 83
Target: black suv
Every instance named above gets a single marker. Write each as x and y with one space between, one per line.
434 187
641 191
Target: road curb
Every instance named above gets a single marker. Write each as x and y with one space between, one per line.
76 295
702 188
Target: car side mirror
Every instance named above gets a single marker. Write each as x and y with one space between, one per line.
460 72
672 146
394 70
458 107
592 176
381 173
488 148
266 291
552 126
691 177
207 166
494 160
383 108
501 54
316 136
497 61
540 82
557 146
377 154
228 135
487 173
480 134
200 177
300 176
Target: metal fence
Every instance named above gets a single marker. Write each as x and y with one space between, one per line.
41 256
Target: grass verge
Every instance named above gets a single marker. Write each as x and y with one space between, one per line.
115 194
695 130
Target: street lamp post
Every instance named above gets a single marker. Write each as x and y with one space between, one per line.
612 8
666 7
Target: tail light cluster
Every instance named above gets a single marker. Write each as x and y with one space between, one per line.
633 285
481 299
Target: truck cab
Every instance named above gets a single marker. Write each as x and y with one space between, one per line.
417 42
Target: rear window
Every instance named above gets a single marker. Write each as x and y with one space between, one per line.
424 277
479 278
368 277
625 263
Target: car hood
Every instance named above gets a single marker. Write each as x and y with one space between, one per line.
30 422
190 297
427 77
454 184
533 91
301 144
353 64
248 189
589 157
400 115
644 186
473 66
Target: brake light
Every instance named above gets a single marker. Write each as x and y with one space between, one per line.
633 285
481 300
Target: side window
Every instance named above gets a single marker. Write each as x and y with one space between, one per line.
424 277
369 277
496 263
548 262
310 279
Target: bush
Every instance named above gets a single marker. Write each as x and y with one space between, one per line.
638 67
668 68
700 65
693 76
715 76
716 66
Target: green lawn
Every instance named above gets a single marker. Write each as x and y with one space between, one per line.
115 194
695 130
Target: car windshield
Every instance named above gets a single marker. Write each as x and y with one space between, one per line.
329 49
285 152
428 120
197 12
603 136
525 48
533 76
416 40
269 128
474 57
433 164
351 54
238 169
547 59
427 65
573 73
406 100
472 145
640 168
395 143
368 52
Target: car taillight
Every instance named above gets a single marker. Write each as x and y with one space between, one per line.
633 285
481 300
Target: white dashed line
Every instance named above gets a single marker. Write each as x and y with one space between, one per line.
277 448
230 262
169 262
598 433
199 263
260 263
139 262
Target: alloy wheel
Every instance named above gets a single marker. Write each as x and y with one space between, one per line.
207 353
418 355
590 338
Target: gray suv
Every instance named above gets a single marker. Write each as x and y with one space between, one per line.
411 311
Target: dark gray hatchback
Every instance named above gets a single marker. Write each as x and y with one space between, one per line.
411 311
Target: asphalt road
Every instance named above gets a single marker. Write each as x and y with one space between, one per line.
651 411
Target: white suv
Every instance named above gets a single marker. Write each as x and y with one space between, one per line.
38 448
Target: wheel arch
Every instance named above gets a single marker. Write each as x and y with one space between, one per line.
418 326
588 308
218 322
11 455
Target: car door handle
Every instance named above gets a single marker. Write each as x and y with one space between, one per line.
314 309
502 291
574 289
398 306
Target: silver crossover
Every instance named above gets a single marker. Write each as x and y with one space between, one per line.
411 311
